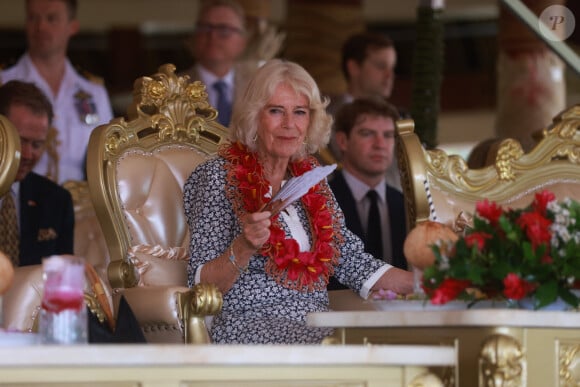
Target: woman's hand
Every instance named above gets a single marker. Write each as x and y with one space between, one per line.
224 270
397 280
256 228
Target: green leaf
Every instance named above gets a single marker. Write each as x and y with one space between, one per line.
546 293
568 297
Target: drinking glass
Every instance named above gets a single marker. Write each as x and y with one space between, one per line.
63 315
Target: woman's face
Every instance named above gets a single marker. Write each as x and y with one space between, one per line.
283 123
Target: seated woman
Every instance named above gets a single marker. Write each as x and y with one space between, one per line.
273 268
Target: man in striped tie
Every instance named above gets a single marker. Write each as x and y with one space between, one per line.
37 211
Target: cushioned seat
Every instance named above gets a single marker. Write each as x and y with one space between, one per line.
441 187
136 170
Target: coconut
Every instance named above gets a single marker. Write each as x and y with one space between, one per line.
417 246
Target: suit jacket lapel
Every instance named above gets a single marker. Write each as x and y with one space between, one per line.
397 226
347 203
29 217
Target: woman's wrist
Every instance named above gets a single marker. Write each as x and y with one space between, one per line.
234 260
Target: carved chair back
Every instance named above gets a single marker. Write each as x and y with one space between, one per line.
441 187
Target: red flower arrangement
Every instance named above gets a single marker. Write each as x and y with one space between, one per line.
512 254
287 264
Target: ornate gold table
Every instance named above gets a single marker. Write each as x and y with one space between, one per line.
496 347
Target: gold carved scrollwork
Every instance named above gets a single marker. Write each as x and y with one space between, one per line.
426 379
205 300
508 151
442 164
116 138
124 273
171 106
95 308
153 92
567 131
438 161
502 362
569 363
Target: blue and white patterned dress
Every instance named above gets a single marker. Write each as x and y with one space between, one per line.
257 309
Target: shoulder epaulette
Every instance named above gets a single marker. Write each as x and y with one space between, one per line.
9 63
91 77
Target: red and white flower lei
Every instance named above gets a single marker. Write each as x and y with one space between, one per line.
248 189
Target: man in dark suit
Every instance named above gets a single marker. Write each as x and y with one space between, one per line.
365 135
368 62
45 212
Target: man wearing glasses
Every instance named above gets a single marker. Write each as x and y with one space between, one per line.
218 42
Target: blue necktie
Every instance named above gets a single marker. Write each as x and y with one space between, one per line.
223 107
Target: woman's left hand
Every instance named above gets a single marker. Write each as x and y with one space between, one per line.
256 228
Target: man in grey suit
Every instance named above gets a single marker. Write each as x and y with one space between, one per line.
218 42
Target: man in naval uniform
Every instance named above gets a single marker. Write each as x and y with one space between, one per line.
80 104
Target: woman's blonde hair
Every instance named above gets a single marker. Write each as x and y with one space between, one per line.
260 90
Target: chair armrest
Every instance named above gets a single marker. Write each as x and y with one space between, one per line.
178 314
21 303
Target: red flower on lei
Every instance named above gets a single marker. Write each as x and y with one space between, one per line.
288 265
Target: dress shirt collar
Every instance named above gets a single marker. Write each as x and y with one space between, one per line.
209 78
67 82
360 189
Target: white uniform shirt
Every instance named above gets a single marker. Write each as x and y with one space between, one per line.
79 107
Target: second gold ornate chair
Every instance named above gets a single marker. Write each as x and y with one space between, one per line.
9 154
441 187
136 171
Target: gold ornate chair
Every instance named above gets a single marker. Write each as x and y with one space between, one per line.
136 171
9 154
441 187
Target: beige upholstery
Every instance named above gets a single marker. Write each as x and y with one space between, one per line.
9 154
89 241
21 303
512 180
136 171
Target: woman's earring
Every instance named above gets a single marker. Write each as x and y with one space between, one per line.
255 138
